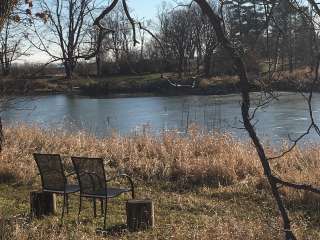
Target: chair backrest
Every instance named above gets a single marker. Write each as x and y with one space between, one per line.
51 171
91 175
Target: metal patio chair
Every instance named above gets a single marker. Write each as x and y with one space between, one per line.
54 179
94 184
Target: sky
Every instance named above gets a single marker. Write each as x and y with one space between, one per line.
142 9
145 8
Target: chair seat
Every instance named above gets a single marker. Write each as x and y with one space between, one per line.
69 189
111 193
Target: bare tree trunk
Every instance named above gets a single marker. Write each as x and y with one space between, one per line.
245 109
98 65
5 9
68 70
180 66
291 44
207 64
1 135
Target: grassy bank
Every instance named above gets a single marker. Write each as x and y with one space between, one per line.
205 186
299 79
145 83
86 85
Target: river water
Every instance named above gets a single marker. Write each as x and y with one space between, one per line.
100 116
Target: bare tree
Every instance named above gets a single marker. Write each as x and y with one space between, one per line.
67 32
116 45
177 36
5 9
12 46
9 102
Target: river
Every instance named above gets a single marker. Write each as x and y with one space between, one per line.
287 116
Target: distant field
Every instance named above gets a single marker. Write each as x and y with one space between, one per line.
204 186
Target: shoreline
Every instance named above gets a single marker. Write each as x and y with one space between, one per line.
154 85
120 94
170 92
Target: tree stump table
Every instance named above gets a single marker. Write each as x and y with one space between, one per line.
140 214
42 204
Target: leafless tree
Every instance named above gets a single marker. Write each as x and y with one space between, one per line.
6 7
67 32
7 15
177 36
12 45
116 44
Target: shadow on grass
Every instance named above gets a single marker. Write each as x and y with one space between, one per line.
7 177
183 186
307 205
114 231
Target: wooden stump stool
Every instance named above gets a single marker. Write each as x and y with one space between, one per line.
140 214
42 204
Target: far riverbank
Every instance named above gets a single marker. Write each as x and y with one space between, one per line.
157 84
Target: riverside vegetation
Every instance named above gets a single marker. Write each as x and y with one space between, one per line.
154 83
205 186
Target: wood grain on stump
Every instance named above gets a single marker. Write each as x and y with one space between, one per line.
140 214
42 204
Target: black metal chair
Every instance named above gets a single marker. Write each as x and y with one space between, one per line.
94 184
53 177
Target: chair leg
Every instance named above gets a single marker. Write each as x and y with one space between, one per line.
101 205
105 215
80 208
63 207
94 200
67 203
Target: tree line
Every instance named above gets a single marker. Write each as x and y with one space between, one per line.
188 41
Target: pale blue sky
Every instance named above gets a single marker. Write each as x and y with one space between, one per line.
141 9
146 8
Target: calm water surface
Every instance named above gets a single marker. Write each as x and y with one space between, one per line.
101 116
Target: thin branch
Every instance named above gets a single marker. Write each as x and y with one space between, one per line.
132 22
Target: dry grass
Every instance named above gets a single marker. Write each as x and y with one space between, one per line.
299 79
205 186
303 73
225 80
197 158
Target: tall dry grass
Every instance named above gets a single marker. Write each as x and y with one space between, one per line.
196 158
210 158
